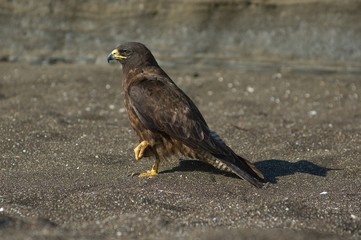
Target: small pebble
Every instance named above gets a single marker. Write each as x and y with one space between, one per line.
250 89
312 113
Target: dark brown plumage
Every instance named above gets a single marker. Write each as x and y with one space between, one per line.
167 121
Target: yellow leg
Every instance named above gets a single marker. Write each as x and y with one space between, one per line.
139 150
152 172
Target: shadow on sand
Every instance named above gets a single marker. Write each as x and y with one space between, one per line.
271 169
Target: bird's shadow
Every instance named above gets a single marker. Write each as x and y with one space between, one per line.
271 169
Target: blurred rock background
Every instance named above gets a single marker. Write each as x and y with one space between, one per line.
223 32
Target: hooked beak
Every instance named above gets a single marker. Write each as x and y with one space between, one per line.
115 55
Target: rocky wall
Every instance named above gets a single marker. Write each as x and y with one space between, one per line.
191 31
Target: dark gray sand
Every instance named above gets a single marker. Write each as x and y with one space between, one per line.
66 156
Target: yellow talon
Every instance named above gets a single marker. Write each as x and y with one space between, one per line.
149 173
152 172
139 150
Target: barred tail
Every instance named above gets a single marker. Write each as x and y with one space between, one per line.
238 165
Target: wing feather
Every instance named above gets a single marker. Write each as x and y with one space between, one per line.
163 107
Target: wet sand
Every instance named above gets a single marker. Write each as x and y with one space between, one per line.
66 157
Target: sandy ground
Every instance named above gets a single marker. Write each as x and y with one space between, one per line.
66 156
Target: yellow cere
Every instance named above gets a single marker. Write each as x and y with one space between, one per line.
116 54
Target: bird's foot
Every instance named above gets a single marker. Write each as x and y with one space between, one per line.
139 150
152 172
149 173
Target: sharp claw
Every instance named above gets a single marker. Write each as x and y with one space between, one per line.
133 174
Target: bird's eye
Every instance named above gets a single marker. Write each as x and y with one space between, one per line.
124 51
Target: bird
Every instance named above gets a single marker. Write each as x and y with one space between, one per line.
167 121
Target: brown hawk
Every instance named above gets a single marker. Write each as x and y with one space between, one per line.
167 121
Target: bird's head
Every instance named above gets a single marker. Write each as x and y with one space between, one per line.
132 55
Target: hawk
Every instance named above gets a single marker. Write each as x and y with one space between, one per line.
167 121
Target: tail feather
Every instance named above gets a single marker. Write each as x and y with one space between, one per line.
246 170
239 166
253 167
229 161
